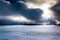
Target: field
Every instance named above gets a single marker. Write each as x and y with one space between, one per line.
26 32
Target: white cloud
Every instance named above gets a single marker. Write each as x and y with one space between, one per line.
45 5
57 22
17 18
6 1
21 2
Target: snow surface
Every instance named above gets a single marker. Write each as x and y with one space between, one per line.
26 32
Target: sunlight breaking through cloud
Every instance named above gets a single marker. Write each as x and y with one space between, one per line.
45 5
47 13
36 11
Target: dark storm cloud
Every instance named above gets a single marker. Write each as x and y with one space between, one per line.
52 21
4 8
34 14
19 8
56 10
34 1
14 8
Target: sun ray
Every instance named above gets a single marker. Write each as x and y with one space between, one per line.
45 5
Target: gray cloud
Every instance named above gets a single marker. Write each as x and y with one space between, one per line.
56 10
9 8
18 8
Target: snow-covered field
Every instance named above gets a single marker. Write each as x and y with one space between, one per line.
26 32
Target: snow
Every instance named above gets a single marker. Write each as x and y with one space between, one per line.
26 32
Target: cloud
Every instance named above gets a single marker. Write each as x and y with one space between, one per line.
14 19
18 18
20 8
56 10
28 9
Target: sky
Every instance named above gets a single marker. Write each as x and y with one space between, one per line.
29 11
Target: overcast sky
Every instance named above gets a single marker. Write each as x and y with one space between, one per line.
27 10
